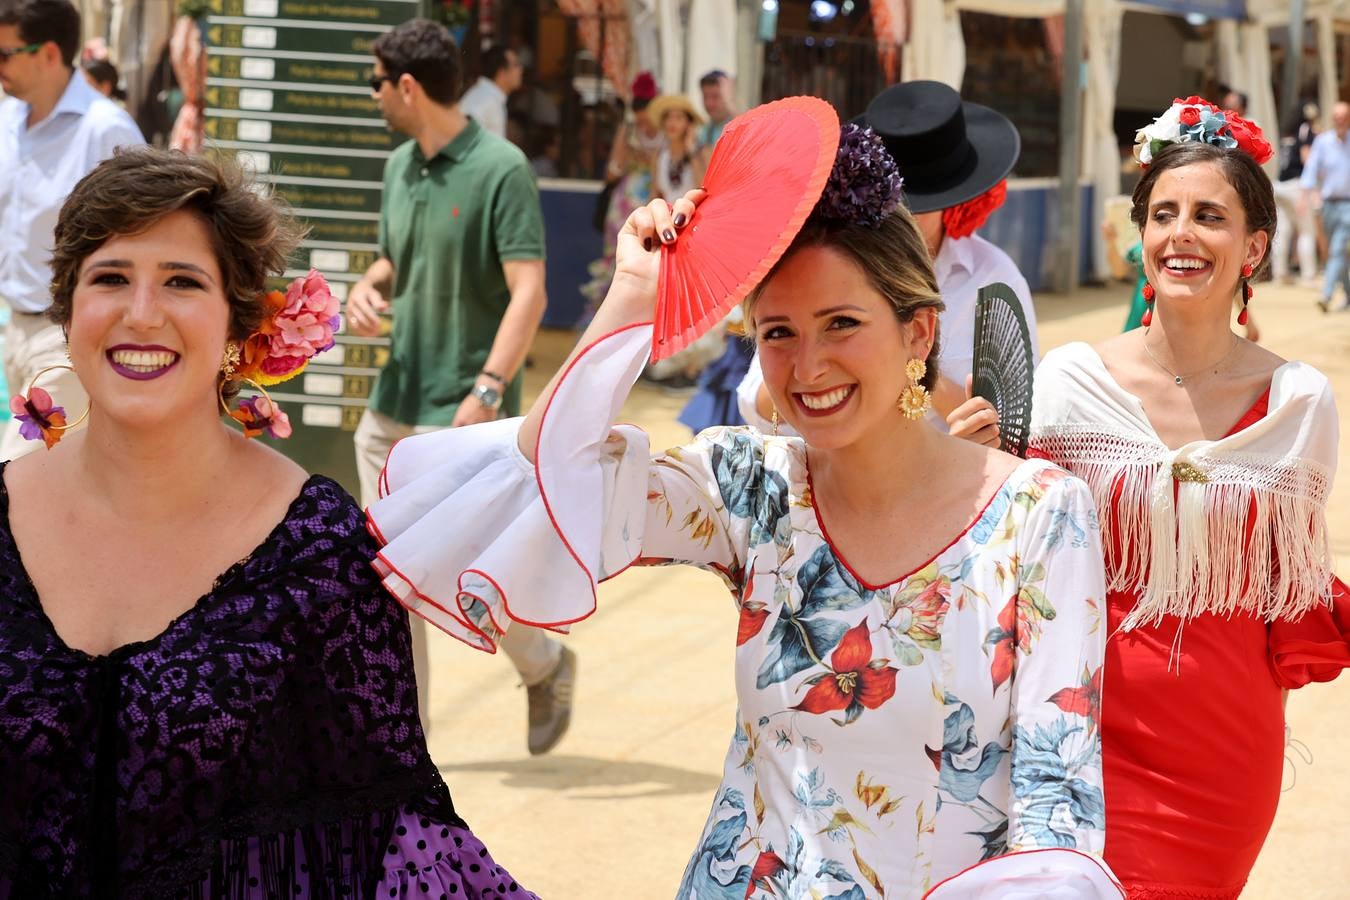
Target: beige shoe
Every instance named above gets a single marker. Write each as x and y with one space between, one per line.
550 705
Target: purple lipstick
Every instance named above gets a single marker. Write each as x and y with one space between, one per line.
141 362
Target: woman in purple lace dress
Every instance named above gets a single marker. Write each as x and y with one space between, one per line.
204 691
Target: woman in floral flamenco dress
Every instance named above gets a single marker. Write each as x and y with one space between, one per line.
918 703
1210 459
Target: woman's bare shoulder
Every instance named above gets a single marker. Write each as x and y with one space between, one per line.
260 465
1259 360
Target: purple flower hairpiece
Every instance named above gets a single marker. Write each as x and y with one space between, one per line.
864 185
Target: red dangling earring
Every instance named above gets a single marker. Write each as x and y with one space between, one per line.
1147 318
1247 293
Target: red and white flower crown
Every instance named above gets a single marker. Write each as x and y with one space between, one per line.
1196 119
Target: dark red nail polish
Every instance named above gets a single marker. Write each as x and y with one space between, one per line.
646 243
667 235
680 219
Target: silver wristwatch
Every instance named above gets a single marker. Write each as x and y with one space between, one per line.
488 396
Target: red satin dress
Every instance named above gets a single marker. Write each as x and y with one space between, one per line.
1193 737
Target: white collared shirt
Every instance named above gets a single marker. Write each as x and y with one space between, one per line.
39 167
485 102
963 266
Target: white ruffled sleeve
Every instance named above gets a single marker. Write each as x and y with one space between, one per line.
475 537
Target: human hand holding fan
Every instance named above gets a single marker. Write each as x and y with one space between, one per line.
766 174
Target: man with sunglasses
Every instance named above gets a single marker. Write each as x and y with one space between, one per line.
54 129
461 269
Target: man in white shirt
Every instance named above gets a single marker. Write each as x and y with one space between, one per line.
1327 174
485 101
54 129
950 153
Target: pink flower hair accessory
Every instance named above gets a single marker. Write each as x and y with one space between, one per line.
299 324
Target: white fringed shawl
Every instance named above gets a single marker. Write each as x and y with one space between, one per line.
1177 538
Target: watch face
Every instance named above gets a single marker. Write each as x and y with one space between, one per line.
487 396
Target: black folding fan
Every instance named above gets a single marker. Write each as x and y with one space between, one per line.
1003 364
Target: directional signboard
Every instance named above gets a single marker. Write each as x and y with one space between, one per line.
328 12
287 93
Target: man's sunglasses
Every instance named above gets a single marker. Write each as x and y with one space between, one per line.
8 53
377 81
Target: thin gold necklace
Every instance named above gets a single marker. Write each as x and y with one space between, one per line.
1180 380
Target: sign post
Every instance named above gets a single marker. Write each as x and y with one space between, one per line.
1070 147
287 94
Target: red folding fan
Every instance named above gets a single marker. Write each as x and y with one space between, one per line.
765 176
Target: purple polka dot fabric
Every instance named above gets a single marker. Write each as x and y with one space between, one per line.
265 745
433 860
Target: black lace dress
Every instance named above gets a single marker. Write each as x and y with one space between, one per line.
266 744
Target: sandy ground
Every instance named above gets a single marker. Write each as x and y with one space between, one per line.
616 808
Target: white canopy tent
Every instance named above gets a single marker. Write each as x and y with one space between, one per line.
1267 14
936 50
663 42
1244 57
1244 63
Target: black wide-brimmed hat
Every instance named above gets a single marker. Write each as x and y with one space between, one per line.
949 151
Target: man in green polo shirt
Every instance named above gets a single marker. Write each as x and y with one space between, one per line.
462 259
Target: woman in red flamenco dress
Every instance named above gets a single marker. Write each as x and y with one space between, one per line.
1210 459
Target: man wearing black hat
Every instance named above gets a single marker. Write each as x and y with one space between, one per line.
954 157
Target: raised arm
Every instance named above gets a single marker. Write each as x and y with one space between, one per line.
632 294
519 519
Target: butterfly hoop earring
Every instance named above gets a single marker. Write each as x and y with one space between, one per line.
258 414
39 417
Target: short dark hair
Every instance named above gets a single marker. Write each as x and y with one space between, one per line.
251 233
1252 184
104 72
426 51
712 77
40 21
494 60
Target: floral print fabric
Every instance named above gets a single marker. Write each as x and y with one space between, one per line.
891 736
